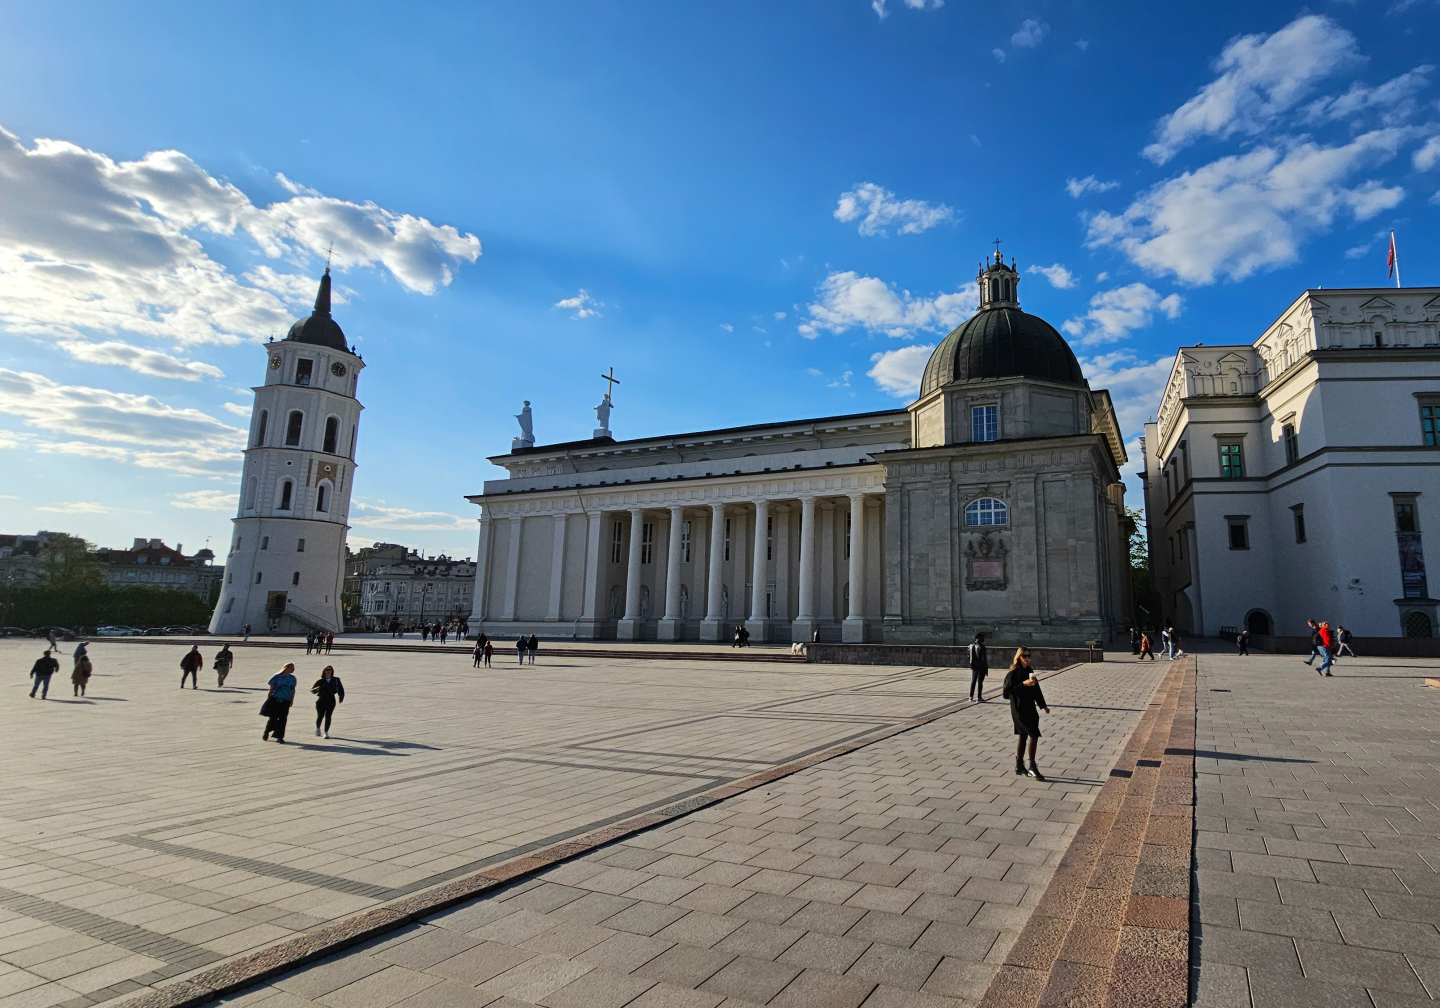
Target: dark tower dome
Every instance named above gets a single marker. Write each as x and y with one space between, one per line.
1000 340
320 328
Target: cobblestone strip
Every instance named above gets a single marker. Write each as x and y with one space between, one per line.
248 970
1112 928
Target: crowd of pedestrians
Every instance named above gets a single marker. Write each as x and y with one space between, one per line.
1142 643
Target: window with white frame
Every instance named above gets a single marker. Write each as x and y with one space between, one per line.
685 542
984 423
647 542
986 511
617 542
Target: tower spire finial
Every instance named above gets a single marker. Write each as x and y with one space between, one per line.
322 299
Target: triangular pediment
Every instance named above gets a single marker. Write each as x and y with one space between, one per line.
1378 304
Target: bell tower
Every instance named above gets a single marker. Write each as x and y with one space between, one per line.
999 284
287 554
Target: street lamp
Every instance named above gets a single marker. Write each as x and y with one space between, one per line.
424 595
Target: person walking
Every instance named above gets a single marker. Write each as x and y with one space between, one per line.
1314 641
533 647
1242 641
1165 639
1176 651
53 637
277 703
1022 689
1147 647
735 638
1343 638
444 634
329 642
329 691
247 633
224 658
1134 641
521 645
1327 648
191 665
45 666
479 653
979 667
80 676
489 652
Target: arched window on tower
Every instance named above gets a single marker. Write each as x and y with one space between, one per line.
287 488
322 498
250 493
292 430
332 433
260 428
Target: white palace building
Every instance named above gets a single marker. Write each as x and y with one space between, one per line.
1295 477
993 502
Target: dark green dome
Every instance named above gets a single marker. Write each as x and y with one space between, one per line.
1002 342
320 328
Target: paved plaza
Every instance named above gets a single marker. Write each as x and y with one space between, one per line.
151 833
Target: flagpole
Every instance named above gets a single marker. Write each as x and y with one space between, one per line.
1396 252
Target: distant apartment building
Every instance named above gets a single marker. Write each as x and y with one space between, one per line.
21 565
1295 477
388 582
149 563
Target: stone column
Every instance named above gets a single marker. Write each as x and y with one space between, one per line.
557 570
590 618
671 626
629 627
712 627
853 631
478 606
512 570
803 626
759 622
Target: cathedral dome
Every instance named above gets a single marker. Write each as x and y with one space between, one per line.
320 328
1001 341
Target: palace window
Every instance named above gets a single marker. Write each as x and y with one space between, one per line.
292 431
685 542
1430 423
617 542
258 576
332 433
295 578
304 368
985 423
300 547
322 502
264 542
260 427
1232 460
647 542
1239 531
1297 514
727 540
1405 520
251 489
986 511
1292 443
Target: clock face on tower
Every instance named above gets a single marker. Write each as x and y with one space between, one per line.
337 369
274 363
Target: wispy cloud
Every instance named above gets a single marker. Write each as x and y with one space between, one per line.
1030 34
582 305
898 372
1057 274
379 516
140 360
206 500
1078 187
83 508
847 300
1114 314
877 208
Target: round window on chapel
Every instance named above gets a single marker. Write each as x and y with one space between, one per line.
986 511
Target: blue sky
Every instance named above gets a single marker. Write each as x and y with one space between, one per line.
752 211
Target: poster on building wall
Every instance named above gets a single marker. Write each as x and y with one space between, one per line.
1412 566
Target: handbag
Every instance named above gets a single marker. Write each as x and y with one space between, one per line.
269 708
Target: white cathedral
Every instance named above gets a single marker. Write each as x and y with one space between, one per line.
287 555
992 503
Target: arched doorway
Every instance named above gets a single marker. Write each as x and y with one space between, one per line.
1258 622
1417 624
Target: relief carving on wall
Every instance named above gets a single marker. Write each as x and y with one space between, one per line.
985 562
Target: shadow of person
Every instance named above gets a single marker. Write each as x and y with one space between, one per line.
394 745
352 750
77 700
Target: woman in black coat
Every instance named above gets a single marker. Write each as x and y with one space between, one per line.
1023 691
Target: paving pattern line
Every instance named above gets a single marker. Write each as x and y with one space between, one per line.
1113 927
254 968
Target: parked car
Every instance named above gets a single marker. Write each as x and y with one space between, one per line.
155 631
62 633
185 631
118 631
14 631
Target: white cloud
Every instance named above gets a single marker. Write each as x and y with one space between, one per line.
780 314
1135 386
1082 44
1250 211
879 209
88 243
1078 187
582 305
1395 99
205 500
842 382
1428 156
878 6
297 290
83 449
898 371
238 409
82 508
850 301
1057 274
1115 313
1102 276
140 360
999 55
1260 77
379 516
727 327
881 10
1030 34
1357 251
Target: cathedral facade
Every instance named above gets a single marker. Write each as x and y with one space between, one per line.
992 503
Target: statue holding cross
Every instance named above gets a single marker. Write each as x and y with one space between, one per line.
602 412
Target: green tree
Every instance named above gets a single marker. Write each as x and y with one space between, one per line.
1142 586
70 562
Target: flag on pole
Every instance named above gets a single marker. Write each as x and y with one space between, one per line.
1392 262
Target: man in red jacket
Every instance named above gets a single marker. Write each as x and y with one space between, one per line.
1327 648
190 666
